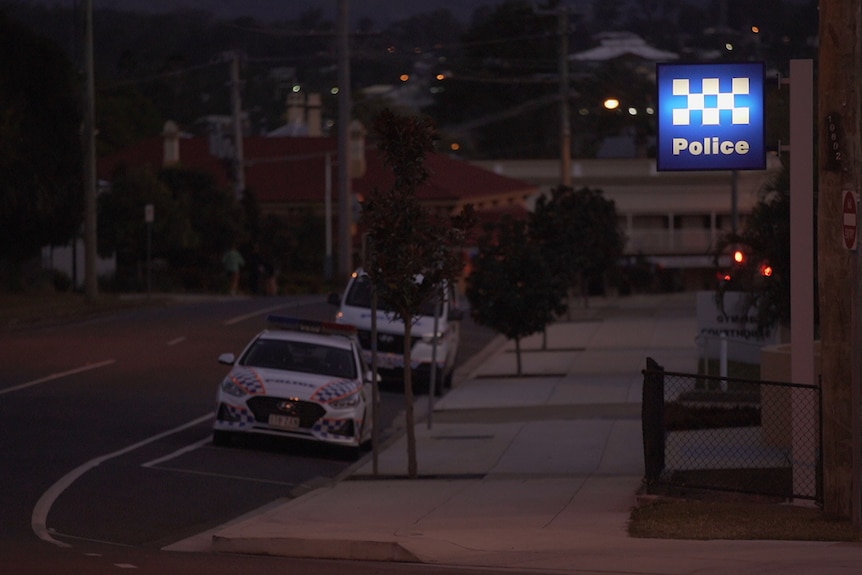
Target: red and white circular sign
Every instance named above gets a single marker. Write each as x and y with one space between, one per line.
850 230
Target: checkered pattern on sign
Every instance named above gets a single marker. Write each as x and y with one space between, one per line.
710 102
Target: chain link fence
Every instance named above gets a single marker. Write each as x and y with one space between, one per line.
735 435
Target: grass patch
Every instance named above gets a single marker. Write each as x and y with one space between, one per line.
777 481
738 520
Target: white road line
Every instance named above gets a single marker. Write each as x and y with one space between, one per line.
178 452
177 340
38 521
54 376
240 318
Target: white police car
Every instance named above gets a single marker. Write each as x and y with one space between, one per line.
301 379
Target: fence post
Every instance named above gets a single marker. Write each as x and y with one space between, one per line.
652 421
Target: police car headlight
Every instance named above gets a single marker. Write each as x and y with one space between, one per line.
351 400
229 387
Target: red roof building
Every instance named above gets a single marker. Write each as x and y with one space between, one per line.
287 175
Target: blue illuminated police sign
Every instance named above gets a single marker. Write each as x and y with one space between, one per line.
711 117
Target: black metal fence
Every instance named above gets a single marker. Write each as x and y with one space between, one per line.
718 433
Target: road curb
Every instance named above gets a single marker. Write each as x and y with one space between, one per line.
310 548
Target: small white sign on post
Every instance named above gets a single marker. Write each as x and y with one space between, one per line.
149 213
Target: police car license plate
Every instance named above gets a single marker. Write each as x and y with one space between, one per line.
284 421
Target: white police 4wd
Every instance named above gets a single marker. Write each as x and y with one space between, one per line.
354 308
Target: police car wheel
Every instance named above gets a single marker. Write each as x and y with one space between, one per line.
223 438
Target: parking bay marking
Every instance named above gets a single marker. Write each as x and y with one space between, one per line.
156 464
39 518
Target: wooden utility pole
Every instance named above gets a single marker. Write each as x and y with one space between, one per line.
838 79
345 195
565 122
91 285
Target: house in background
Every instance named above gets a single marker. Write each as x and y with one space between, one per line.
291 176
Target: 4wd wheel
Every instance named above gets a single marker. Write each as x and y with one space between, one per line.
447 379
439 384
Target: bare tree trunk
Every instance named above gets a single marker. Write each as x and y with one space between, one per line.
838 95
585 289
408 400
518 354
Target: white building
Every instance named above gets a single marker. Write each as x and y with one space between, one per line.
673 219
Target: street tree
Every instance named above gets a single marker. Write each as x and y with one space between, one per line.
41 195
195 221
579 234
122 231
763 271
512 288
210 219
412 252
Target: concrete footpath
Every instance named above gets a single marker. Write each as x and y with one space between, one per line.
536 473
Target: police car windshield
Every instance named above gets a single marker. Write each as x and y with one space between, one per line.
359 295
301 356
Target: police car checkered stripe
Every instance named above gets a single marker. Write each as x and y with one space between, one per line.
336 390
248 379
332 428
709 102
241 415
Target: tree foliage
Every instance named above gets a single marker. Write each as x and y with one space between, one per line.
764 241
579 233
499 83
41 196
124 116
122 230
512 288
407 240
195 221
412 252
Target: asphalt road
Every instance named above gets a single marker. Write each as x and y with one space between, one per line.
106 433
